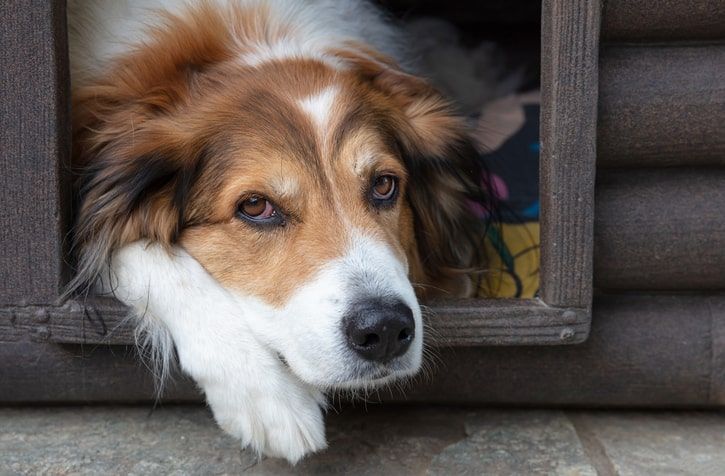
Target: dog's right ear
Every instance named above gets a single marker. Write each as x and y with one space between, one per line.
126 194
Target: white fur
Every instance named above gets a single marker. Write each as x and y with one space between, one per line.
253 395
101 30
319 107
230 343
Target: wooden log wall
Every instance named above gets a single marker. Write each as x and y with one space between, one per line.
660 229
660 195
639 354
662 105
664 20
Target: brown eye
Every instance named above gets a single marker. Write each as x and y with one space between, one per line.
259 210
384 188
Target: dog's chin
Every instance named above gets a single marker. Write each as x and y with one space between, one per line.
365 376
373 381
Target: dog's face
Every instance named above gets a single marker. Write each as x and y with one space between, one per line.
318 195
300 210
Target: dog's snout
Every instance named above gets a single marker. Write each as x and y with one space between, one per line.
378 331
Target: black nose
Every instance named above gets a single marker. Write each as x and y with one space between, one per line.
379 331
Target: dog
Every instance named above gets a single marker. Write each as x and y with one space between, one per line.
271 192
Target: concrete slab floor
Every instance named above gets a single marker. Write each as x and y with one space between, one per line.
378 440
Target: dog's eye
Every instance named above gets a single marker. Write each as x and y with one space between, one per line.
384 189
258 209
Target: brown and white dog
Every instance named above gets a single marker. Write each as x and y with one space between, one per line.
265 186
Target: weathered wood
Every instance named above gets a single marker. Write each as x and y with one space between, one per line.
662 105
456 323
39 372
93 321
654 350
661 229
663 19
34 140
569 80
505 322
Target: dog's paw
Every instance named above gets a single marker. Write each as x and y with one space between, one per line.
285 424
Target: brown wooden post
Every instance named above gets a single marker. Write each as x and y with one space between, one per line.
34 144
569 85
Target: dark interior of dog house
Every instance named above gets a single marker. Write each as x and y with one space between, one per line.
485 56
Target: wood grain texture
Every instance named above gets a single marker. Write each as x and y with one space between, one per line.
662 105
663 20
569 80
93 321
716 391
464 323
639 354
455 323
35 372
643 350
660 229
34 139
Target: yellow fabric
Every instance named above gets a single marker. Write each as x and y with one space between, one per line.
521 242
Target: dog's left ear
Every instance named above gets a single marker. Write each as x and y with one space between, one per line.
447 185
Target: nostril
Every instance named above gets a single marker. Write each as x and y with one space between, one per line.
371 340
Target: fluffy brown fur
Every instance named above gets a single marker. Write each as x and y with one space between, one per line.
171 137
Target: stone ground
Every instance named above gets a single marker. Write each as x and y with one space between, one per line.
378 440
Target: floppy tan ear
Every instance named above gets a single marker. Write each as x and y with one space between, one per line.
134 165
127 192
447 179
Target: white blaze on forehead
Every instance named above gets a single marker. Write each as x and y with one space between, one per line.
319 106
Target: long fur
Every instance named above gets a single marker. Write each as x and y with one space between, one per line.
163 92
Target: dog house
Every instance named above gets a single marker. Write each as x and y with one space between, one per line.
632 182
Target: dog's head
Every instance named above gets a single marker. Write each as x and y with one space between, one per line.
319 192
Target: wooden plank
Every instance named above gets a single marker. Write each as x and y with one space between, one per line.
453 323
34 139
660 229
662 105
93 321
639 354
663 20
34 372
643 350
716 391
569 81
478 322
